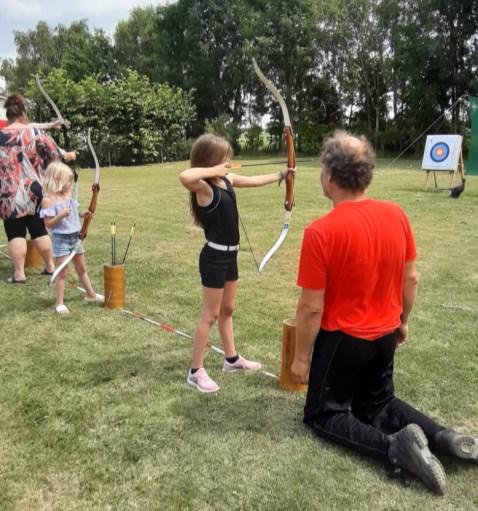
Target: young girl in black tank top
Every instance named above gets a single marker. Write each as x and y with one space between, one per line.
214 208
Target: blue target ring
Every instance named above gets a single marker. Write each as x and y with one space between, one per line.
439 152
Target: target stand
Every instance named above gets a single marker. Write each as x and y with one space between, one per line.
443 153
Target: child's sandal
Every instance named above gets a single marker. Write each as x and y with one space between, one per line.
96 299
62 309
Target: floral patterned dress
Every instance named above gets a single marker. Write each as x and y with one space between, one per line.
25 154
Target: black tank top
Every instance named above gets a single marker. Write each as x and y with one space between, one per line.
220 219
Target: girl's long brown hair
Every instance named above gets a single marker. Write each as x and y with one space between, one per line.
207 151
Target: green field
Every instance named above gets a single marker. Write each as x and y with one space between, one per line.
95 411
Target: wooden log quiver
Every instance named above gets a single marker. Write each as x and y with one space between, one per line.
286 380
33 258
114 277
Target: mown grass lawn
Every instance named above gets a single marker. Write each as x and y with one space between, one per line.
95 412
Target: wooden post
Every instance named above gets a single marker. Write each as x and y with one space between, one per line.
114 277
461 167
286 380
452 177
428 177
33 258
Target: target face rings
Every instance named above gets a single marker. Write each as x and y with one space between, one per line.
439 152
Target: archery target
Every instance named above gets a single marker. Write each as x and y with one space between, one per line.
439 152
442 152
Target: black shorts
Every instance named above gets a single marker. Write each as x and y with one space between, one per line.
17 227
217 267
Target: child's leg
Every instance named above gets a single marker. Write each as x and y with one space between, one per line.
211 303
232 361
60 281
225 325
79 262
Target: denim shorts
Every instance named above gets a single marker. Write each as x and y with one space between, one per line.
63 244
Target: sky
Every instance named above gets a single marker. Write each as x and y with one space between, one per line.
22 15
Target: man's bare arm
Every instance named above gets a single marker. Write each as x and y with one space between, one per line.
308 319
410 285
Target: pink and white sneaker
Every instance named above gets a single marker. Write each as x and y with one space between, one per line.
201 380
241 364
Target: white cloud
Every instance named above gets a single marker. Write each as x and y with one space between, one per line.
20 11
22 15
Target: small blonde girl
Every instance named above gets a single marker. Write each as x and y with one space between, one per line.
62 218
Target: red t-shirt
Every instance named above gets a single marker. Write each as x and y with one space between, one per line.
356 254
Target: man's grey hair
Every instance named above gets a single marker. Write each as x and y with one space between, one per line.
350 160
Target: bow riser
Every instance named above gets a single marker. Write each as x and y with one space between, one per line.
91 208
95 188
291 162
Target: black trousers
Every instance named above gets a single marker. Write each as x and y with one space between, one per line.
351 400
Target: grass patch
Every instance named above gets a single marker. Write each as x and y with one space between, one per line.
95 412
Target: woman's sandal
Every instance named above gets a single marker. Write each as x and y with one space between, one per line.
46 272
62 309
13 280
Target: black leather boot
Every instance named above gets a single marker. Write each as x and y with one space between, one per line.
457 444
409 450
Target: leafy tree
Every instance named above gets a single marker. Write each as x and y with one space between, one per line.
432 45
74 49
136 42
84 53
386 68
224 126
285 38
133 121
202 48
36 52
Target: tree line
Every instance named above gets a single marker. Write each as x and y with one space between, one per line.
384 68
